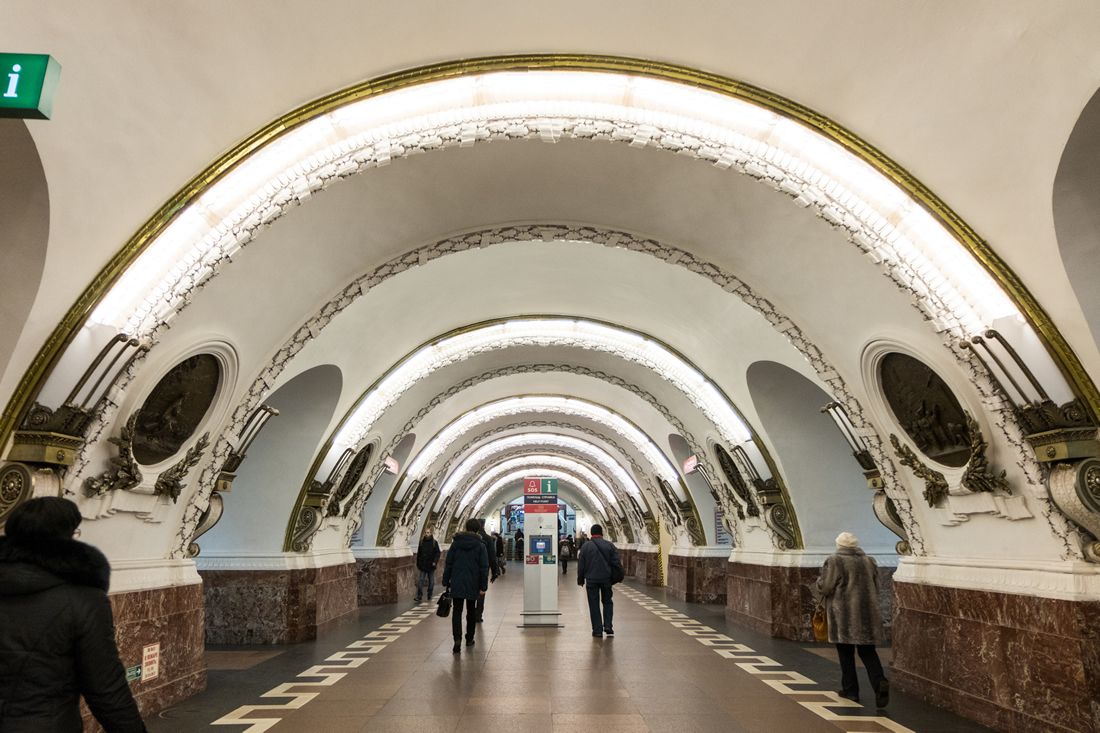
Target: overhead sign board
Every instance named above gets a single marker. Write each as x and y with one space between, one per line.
27 85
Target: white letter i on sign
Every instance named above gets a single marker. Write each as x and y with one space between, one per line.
13 80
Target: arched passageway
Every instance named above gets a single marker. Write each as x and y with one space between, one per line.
642 279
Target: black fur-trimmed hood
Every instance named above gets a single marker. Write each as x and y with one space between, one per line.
33 568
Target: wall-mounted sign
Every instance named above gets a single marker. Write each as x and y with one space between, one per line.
27 84
133 673
150 662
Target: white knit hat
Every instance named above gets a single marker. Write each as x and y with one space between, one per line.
847 539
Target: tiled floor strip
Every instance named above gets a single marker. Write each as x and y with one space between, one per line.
771 672
325 675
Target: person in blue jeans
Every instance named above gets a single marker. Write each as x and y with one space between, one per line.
594 563
427 558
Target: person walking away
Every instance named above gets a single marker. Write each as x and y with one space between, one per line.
466 577
427 559
501 565
594 563
582 537
848 588
57 635
566 552
520 551
494 570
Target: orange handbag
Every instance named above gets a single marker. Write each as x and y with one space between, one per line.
820 622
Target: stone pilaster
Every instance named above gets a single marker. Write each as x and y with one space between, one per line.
388 579
276 606
698 579
173 618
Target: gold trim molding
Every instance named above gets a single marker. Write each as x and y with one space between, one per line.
47 357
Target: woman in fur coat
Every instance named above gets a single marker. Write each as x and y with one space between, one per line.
57 635
848 588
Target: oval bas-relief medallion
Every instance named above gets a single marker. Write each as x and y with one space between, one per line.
926 409
175 408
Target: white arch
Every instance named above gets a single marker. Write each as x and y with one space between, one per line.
883 219
569 406
566 464
521 474
540 440
570 332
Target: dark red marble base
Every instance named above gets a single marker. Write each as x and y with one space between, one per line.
778 601
1010 662
697 579
276 606
645 566
389 579
172 617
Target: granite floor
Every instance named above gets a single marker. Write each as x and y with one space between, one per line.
672 666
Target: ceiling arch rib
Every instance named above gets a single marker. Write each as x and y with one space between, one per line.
539 441
546 331
435 448
595 436
601 493
721 129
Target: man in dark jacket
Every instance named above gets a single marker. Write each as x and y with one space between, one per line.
494 569
466 576
57 636
427 558
594 562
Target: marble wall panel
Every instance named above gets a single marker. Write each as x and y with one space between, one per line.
276 606
388 579
1012 662
173 618
779 601
697 579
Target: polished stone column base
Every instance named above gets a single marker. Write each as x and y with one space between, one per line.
778 601
389 579
173 618
1011 662
644 566
276 606
697 579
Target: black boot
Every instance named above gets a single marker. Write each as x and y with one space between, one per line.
457 647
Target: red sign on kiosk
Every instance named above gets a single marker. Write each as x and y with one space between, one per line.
532 486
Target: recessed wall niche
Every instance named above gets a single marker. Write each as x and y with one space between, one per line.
926 409
175 408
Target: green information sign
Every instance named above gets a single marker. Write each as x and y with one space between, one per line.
27 84
549 486
133 673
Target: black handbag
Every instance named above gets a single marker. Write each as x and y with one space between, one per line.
444 609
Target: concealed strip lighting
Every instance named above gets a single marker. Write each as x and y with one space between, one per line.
541 441
462 111
515 476
564 332
567 406
569 465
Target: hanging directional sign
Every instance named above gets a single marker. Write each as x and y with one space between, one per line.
27 85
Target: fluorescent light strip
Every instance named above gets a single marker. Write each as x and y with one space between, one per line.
540 440
568 406
564 332
546 461
374 130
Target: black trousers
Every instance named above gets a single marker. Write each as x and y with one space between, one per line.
456 617
564 565
479 605
849 683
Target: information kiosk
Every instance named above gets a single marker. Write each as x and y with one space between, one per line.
540 576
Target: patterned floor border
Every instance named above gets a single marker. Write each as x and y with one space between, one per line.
353 656
770 672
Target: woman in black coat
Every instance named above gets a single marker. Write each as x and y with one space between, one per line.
57 636
466 577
